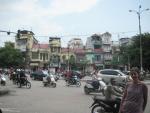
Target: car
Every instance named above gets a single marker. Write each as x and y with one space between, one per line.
107 74
38 75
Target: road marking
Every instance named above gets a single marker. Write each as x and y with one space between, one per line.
13 110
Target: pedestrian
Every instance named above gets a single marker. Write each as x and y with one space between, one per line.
135 95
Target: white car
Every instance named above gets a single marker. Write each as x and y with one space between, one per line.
107 74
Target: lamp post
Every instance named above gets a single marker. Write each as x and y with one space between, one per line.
139 12
68 58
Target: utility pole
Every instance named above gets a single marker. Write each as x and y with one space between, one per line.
68 60
139 12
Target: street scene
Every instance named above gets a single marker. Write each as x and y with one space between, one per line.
74 56
39 99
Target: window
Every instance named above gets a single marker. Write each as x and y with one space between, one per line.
97 58
35 55
97 46
109 72
40 56
105 72
114 72
46 56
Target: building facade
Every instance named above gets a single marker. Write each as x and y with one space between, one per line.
107 50
75 43
35 55
55 53
94 51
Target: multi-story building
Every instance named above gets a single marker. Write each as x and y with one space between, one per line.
55 50
66 54
36 55
39 56
24 41
75 43
94 51
124 41
115 47
107 50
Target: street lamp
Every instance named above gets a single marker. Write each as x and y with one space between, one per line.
68 58
139 18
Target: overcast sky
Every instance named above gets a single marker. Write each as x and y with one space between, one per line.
72 18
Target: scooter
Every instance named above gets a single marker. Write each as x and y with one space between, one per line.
95 86
3 80
74 80
24 82
49 81
100 105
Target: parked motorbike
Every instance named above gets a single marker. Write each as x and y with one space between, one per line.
74 80
100 105
49 81
24 82
3 80
95 86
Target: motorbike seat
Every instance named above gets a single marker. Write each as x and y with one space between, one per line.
89 81
102 99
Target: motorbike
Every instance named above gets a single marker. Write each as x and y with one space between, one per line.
95 86
3 80
24 82
100 105
74 80
49 81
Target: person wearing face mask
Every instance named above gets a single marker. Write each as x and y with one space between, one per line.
135 95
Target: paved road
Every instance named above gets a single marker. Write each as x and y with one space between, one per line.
39 99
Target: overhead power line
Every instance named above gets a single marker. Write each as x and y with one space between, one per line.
72 35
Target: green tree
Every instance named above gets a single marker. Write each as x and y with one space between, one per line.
135 53
10 57
132 52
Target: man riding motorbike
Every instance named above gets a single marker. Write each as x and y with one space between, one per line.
22 77
113 94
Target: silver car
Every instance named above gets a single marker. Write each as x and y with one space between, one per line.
107 74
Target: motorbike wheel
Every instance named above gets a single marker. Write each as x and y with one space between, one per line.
78 84
86 90
28 85
53 85
44 84
98 109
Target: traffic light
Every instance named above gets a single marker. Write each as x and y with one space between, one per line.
8 33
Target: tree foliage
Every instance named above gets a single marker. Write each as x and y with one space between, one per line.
10 57
131 53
